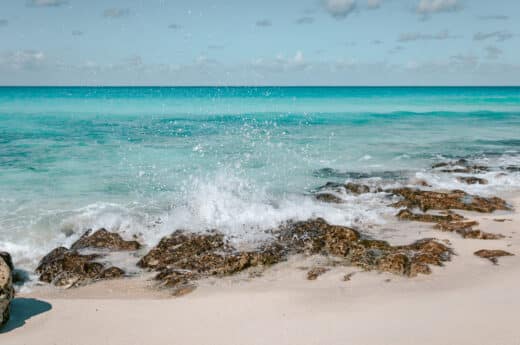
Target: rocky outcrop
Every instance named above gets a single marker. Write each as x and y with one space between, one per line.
456 199
70 267
316 236
6 286
492 254
182 258
450 222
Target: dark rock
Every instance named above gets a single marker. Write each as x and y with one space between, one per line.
103 239
472 180
315 272
456 199
492 255
353 188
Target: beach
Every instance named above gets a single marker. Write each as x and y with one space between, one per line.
468 301
261 215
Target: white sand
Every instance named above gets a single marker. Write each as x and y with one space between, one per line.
469 301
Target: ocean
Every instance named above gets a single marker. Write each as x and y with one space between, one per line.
145 161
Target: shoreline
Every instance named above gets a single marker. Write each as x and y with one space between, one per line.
468 301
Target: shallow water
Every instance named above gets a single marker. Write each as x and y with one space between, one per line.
147 161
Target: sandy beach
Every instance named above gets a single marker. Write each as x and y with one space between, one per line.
468 301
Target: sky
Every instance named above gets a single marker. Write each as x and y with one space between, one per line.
253 42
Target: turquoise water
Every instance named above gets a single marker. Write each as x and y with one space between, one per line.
148 160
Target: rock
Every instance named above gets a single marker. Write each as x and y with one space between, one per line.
315 272
6 287
103 239
460 166
492 255
406 214
353 188
316 236
70 268
456 199
472 180
183 257
357 189
348 276
328 197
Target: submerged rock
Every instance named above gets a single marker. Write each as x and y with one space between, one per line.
350 187
328 197
69 267
492 254
456 199
460 166
472 180
6 286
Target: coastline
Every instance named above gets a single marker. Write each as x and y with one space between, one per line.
468 301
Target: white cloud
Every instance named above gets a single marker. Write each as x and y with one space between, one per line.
498 36
427 7
374 4
47 3
339 9
22 59
417 36
281 63
116 12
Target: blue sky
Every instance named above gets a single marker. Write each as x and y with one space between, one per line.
251 42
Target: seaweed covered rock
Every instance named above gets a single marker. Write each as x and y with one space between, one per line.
70 267
184 257
492 254
456 199
6 286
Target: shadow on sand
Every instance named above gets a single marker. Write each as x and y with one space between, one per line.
23 309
